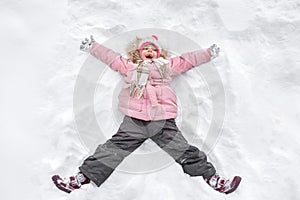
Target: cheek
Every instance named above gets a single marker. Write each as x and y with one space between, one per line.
143 54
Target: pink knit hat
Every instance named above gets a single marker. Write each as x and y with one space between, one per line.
153 40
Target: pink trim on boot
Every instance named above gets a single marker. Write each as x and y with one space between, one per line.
71 183
223 185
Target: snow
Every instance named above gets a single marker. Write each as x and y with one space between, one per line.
258 67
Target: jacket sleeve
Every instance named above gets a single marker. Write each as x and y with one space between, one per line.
112 59
187 61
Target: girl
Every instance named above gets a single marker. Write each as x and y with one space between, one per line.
150 109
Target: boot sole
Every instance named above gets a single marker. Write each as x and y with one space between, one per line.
235 184
55 178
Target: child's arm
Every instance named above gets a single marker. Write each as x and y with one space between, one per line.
110 57
106 55
189 60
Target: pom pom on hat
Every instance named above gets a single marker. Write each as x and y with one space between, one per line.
155 37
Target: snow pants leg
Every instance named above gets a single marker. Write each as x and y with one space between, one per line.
193 161
99 166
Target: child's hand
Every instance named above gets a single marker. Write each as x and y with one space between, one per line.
86 44
214 51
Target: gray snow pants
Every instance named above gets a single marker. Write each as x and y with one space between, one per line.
131 134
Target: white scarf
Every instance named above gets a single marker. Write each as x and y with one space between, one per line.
140 76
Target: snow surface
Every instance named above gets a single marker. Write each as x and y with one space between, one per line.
259 66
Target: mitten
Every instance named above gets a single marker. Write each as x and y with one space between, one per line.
214 51
86 44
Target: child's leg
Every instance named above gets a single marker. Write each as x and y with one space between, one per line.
99 166
193 161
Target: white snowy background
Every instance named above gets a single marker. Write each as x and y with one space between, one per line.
259 66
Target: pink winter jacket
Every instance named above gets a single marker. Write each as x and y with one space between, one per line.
159 100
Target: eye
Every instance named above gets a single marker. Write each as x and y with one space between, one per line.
153 48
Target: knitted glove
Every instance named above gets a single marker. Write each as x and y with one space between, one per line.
214 51
86 44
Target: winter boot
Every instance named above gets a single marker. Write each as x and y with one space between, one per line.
223 185
71 183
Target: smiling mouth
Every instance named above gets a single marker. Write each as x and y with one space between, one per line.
149 56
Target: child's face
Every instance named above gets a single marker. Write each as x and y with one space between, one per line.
149 52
